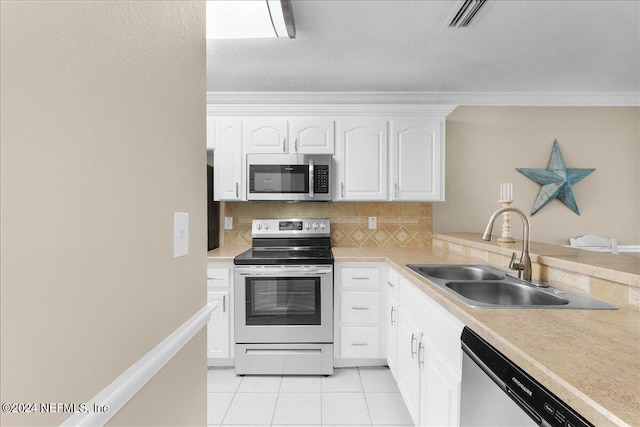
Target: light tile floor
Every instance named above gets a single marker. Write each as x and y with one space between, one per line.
350 397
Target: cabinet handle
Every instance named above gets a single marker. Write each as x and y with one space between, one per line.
237 189
413 339
360 308
360 344
342 190
397 189
284 145
421 354
295 145
215 278
360 278
393 309
224 303
391 284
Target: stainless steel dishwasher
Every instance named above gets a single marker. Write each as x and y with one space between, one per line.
496 392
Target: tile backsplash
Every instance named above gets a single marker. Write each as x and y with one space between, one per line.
399 224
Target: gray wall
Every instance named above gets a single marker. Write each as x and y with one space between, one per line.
103 137
486 144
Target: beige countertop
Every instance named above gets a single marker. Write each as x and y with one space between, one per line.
588 358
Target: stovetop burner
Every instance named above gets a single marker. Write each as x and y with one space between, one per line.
288 242
256 256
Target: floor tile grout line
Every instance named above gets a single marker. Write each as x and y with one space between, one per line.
276 404
235 393
365 398
321 399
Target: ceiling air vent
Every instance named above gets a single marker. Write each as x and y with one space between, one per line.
467 12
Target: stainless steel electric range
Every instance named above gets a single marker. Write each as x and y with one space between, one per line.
284 299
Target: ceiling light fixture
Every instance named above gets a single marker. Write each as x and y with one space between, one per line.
236 19
466 13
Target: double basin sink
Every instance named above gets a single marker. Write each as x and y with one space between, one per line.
483 286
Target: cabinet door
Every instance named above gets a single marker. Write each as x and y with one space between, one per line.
408 370
390 319
417 159
265 135
361 159
218 343
311 135
440 391
227 159
391 313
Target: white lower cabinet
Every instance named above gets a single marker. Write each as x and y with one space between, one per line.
358 329
429 358
440 391
408 369
220 326
390 316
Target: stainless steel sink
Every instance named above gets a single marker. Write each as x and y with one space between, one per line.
483 286
459 272
504 293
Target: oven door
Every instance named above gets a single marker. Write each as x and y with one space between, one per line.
284 304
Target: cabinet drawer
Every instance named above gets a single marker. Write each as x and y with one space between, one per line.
218 277
360 342
360 307
360 277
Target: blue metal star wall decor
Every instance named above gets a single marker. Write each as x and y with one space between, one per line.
556 181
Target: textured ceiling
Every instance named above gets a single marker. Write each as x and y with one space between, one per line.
513 46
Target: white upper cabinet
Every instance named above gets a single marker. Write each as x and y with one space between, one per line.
417 156
361 159
311 135
227 159
265 135
298 135
381 152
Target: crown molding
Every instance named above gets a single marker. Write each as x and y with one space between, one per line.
322 109
366 100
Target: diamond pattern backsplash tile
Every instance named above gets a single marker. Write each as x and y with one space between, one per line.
399 224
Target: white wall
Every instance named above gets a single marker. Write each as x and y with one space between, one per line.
102 138
486 144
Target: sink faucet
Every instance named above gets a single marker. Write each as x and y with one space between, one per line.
524 266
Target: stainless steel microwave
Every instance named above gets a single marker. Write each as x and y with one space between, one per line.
289 177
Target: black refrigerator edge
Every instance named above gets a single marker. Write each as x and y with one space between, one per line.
213 214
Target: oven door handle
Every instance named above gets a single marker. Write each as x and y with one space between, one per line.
279 271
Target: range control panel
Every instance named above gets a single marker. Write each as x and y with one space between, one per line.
291 227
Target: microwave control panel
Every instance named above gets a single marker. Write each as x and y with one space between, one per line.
321 179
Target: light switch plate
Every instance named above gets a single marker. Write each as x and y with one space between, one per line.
228 223
180 234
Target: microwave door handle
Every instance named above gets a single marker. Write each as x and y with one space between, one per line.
311 178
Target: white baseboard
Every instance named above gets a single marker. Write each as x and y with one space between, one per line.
353 362
220 362
117 394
